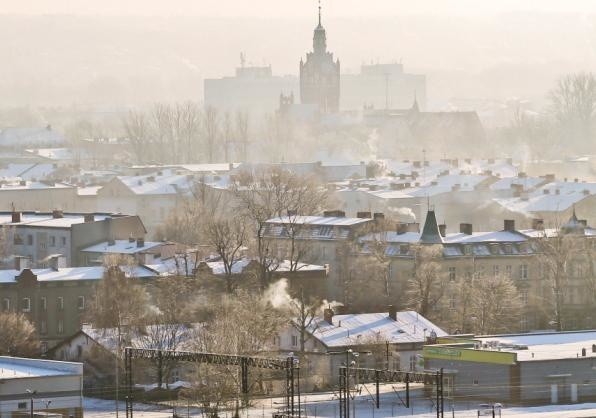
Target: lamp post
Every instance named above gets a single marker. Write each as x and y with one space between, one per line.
31 392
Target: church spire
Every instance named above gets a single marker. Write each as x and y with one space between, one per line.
320 39
319 12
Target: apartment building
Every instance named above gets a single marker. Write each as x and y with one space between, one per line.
38 236
514 253
55 299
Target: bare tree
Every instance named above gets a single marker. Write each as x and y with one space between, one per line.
242 134
190 130
555 255
495 305
265 194
573 103
137 131
426 287
228 236
211 131
17 336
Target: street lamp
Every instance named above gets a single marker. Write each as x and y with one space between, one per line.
31 392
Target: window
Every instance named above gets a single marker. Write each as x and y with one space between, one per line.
523 271
26 305
523 296
43 347
60 327
509 271
43 326
294 341
17 240
81 303
52 241
452 302
29 239
495 270
22 405
412 362
467 249
63 242
475 382
480 272
451 274
6 304
60 303
523 323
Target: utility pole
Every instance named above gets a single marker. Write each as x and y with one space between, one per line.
31 392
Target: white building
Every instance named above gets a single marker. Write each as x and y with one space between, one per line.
54 387
392 340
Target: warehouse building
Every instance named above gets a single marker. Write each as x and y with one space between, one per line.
536 368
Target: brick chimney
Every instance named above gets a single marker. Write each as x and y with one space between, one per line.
16 217
443 230
509 225
392 312
89 217
57 261
57 214
140 242
328 315
363 215
538 224
465 228
131 239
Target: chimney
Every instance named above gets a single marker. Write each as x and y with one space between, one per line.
363 215
328 315
392 312
334 214
465 228
401 228
131 239
509 225
57 261
16 217
57 214
89 217
538 224
111 241
443 229
140 242
21 263
379 216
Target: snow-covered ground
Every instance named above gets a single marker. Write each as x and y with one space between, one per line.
326 405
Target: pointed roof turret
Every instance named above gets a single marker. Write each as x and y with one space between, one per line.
430 232
415 108
574 225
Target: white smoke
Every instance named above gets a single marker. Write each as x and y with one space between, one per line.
278 296
403 212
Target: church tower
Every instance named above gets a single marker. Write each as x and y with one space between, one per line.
319 75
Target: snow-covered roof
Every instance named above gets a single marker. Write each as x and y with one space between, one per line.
527 183
367 328
108 337
74 273
33 185
552 197
318 220
544 346
121 246
13 136
27 171
18 368
47 220
57 154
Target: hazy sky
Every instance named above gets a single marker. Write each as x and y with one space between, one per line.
290 8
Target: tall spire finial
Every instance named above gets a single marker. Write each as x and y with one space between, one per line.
319 12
